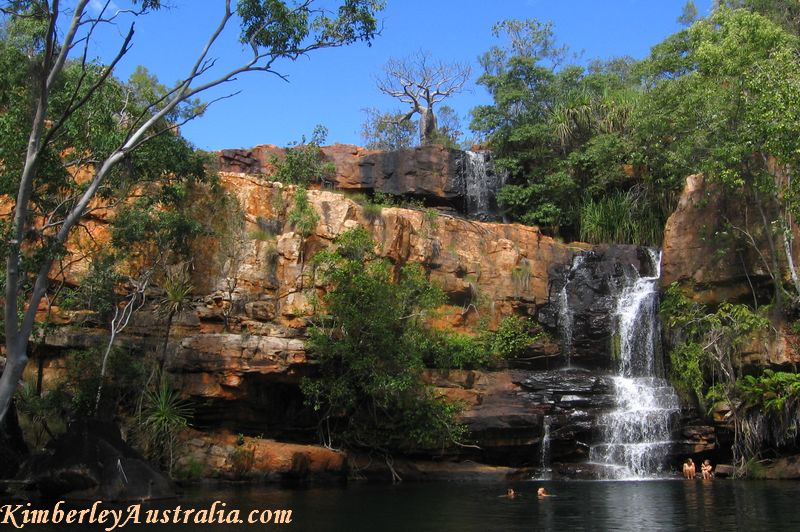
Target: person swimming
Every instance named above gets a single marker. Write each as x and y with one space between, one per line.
510 493
541 492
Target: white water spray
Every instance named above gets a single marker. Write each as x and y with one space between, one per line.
566 319
481 184
635 436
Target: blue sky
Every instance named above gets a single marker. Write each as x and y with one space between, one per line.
331 87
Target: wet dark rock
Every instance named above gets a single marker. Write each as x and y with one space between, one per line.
785 468
92 462
574 398
559 383
593 281
724 471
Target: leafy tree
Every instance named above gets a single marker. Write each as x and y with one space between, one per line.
688 13
368 393
559 132
422 82
723 100
64 143
783 12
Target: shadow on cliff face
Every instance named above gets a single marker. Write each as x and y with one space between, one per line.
13 449
92 462
268 408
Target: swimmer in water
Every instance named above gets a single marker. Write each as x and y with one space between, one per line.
510 494
541 492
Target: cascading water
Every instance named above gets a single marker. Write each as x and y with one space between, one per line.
635 436
566 320
481 184
545 459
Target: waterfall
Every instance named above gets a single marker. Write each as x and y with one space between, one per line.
566 320
638 324
635 436
481 184
545 458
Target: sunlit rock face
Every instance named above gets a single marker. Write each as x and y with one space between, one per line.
697 244
244 378
705 250
239 352
426 172
464 181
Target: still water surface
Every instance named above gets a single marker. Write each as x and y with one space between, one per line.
651 505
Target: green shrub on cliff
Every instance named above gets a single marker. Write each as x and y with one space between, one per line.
368 391
513 337
704 348
304 162
448 349
445 349
702 342
621 217
303 218
771 402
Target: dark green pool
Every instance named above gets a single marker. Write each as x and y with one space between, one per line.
648 505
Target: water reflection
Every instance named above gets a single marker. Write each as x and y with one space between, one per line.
466 507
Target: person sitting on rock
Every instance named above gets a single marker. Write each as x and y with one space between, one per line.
707 469
689 471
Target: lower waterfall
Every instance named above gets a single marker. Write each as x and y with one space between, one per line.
635 437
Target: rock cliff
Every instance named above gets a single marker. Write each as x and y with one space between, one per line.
715 248
462 181
239 353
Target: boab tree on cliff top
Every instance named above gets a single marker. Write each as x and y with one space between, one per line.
422 82
58 40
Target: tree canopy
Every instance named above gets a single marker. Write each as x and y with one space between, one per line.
366 342
561 131
72 132
723 99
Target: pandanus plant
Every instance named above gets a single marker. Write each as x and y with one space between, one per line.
175 299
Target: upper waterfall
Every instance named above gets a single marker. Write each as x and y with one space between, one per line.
481 184
638 327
